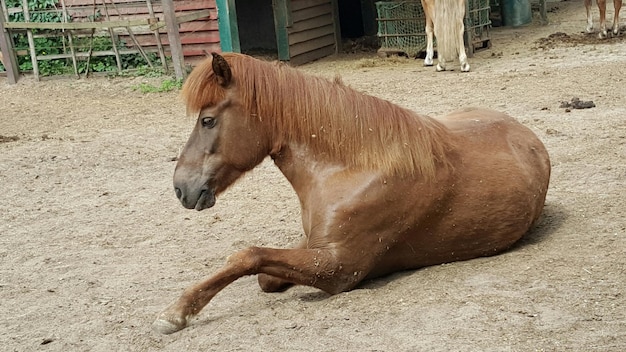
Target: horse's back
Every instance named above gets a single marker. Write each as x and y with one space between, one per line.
494 147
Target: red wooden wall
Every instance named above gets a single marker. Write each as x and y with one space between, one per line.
196 36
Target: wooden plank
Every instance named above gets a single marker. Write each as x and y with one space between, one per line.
187 17
85 54
302 4
199 49
312 55
311 23
191 38
178 59
200 4
311 45
300 15
75 25
304 36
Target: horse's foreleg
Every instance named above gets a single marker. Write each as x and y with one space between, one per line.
617 4
313 267
270 283
465 66
194 298
589 16
430 52
602 7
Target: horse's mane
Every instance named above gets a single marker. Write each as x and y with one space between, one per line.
334 120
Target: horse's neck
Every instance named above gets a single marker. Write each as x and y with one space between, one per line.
300 166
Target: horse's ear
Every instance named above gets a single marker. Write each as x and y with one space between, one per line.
222 70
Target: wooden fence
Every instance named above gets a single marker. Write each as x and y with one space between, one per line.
139 24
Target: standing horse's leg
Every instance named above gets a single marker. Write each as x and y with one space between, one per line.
320 268
465 67
430 52
617 5
589 16
602 7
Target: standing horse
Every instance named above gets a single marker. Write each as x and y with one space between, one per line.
381 188
617 5
446 17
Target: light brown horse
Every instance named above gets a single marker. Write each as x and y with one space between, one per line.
382 188
617 5
446 18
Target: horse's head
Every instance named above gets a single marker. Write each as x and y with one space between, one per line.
225 142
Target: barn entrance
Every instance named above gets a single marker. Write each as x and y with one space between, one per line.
351 19
358 25
257 31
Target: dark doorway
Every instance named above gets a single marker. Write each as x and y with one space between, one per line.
257 34
351 19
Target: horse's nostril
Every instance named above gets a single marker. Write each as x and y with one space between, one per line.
179 193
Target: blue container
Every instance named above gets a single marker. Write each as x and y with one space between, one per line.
516 12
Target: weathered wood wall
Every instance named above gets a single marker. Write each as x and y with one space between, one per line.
313 32
196 36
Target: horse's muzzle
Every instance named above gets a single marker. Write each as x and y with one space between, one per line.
199 200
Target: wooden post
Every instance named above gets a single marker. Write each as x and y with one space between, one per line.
118 60
282 16
338 45
70 39
31 41
173 35
157 36
227 21
8 54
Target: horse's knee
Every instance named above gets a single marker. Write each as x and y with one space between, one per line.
270 283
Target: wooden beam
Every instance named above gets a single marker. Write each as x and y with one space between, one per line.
76 25
9 59
227 22
338 45
173 35
282 15
188 17
31 41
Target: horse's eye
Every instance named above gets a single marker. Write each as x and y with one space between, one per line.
208 122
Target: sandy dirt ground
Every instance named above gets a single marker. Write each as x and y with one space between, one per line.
94 243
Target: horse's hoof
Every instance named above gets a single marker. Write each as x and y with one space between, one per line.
465 67
589 29
602 35
439 68
428 62
168 326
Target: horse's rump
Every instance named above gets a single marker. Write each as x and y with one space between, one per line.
448 23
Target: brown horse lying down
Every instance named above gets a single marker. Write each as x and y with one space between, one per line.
382 188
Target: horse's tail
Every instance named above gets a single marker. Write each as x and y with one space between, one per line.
449 15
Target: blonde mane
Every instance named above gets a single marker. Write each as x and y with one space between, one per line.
335 121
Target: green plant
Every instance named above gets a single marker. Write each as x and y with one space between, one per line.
167 85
